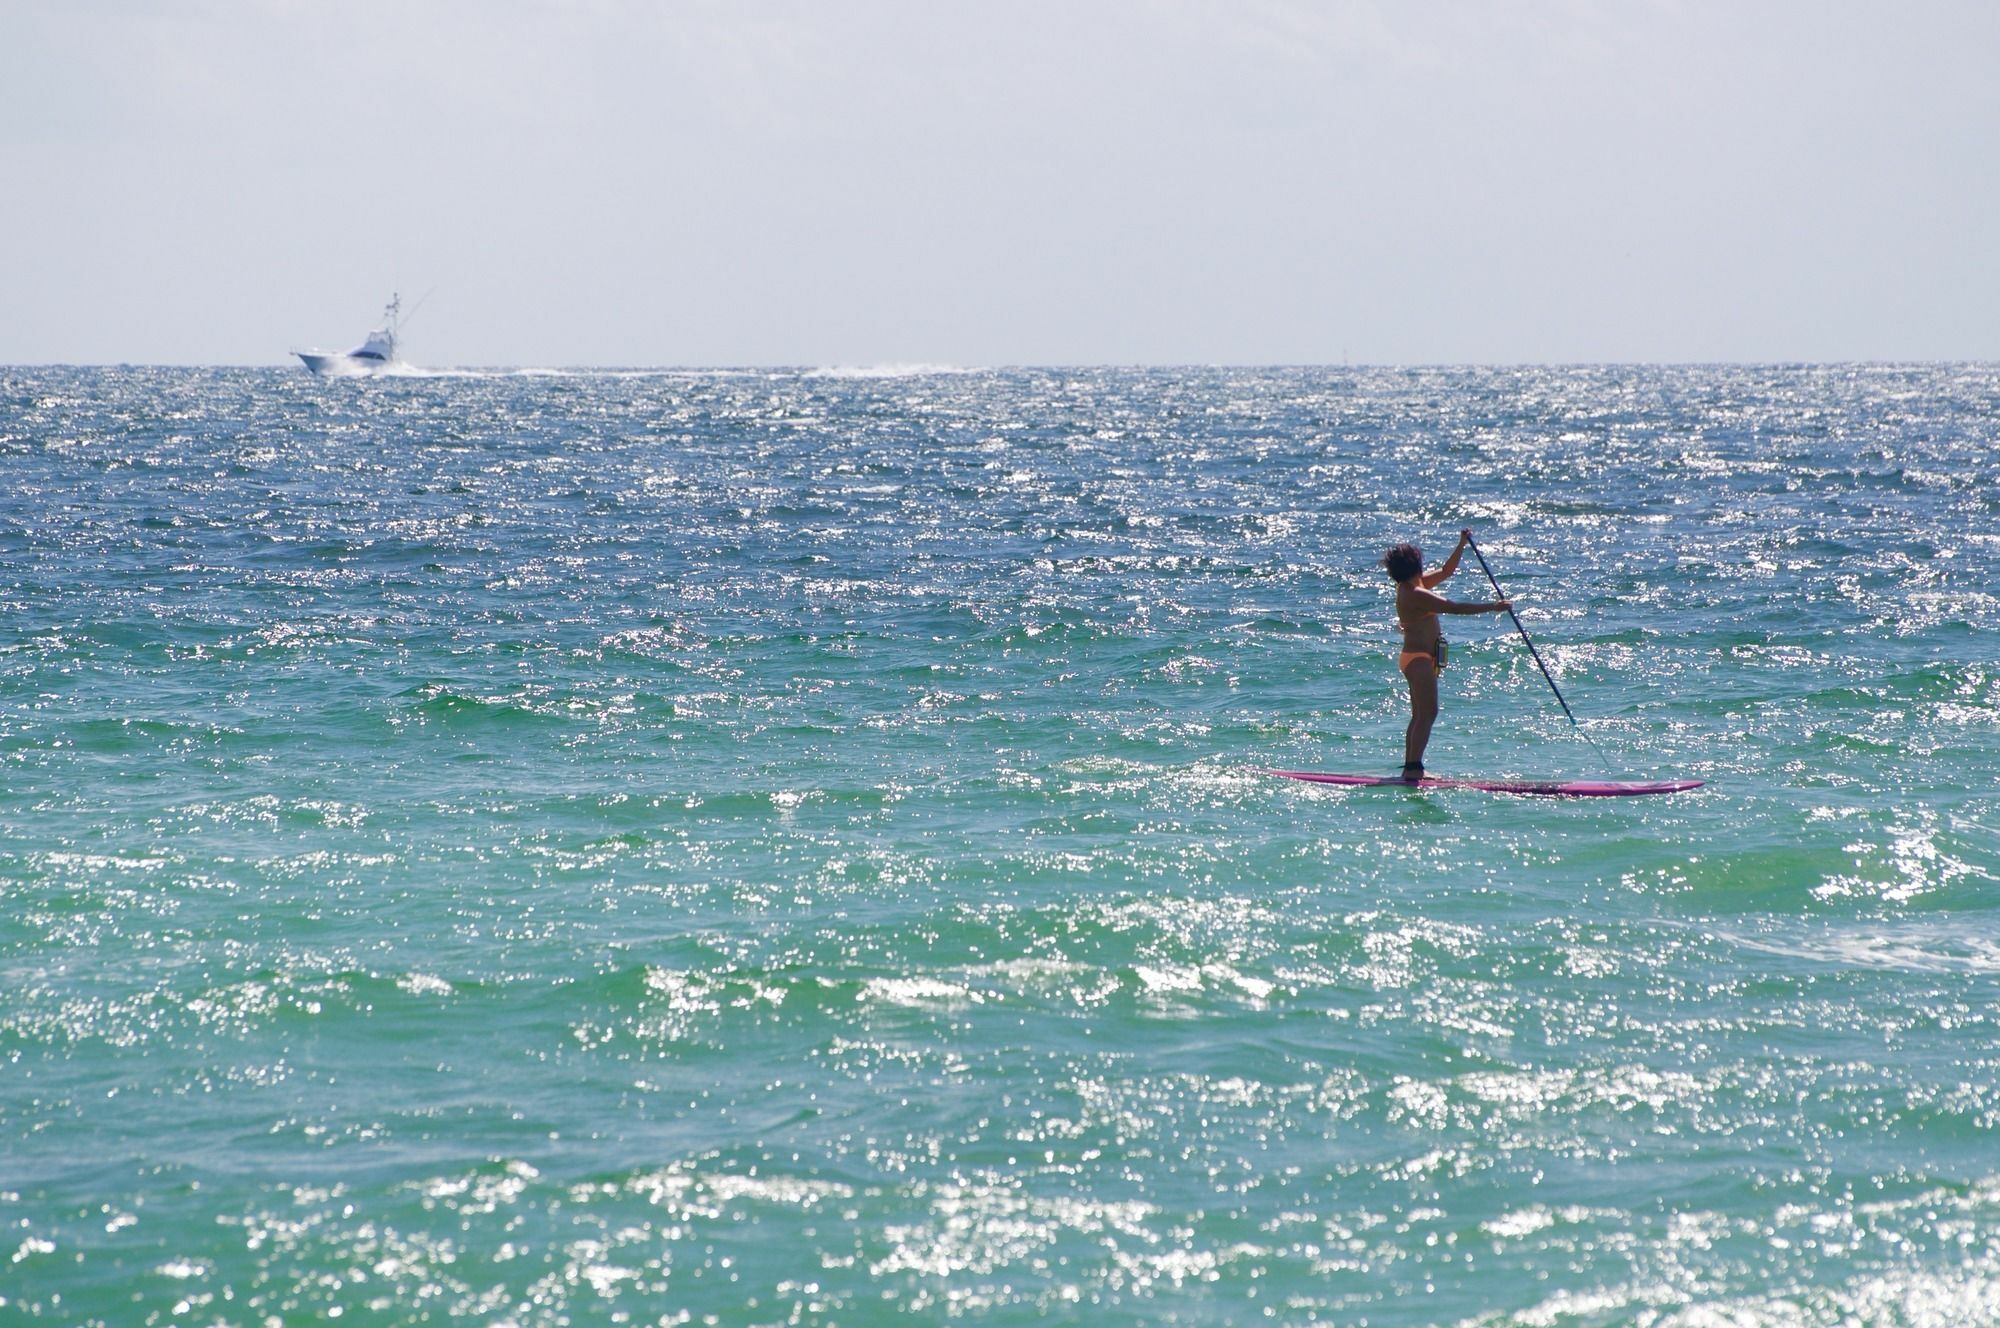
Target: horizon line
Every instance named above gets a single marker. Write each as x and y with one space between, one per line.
909 367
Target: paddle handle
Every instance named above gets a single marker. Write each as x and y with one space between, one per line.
1536 654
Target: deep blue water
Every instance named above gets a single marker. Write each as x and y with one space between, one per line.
773 848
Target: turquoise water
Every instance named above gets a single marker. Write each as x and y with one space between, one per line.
778 848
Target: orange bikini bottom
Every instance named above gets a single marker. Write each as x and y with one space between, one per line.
1408 657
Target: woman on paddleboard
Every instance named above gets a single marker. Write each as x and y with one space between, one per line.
1417 609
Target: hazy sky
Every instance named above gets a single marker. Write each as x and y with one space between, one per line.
618 182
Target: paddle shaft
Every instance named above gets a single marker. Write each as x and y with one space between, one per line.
1524 633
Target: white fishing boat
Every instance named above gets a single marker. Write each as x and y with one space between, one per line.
375 354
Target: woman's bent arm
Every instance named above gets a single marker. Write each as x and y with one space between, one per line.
1450 564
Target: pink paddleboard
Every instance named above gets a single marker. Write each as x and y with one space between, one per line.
1548 788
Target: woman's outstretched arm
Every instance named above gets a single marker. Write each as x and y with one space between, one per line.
1433 603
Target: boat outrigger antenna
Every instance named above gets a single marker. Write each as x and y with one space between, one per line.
422 300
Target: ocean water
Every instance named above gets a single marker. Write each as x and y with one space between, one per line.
788 848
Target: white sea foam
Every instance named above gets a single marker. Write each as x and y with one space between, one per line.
887 371
1919 950
920 992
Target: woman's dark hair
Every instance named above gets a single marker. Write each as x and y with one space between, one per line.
1404 561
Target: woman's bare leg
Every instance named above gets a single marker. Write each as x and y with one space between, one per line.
1423 679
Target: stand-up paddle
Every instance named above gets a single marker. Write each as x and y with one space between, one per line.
1526 639
1533 653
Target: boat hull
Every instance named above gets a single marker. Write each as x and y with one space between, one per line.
340 364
